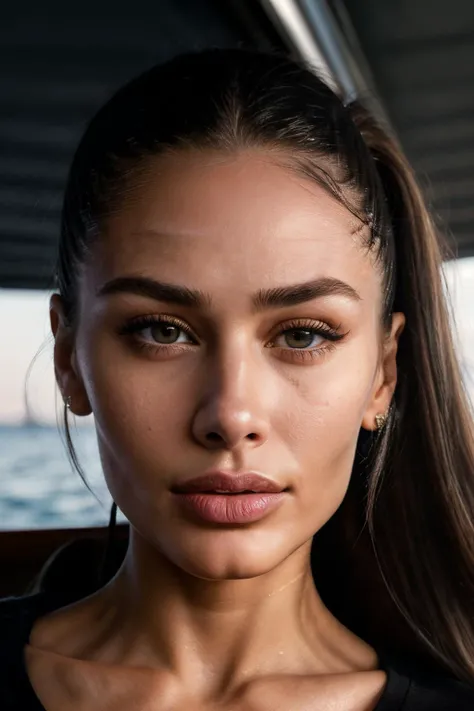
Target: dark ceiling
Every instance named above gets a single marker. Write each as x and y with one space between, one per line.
421 56
60 61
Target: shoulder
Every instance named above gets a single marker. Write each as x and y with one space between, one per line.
17 618
416 683
17 615
438 693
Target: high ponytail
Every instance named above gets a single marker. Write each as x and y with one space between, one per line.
420 510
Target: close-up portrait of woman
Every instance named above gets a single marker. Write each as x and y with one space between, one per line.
249 301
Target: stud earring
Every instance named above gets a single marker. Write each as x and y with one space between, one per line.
380 421
68 401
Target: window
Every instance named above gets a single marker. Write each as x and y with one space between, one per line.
38 488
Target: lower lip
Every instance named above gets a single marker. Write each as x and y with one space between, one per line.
230 508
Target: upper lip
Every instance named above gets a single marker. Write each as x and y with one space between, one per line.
221 481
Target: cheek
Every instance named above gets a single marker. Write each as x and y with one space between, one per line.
139 406
324 428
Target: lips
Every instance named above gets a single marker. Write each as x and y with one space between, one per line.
224 483
223 498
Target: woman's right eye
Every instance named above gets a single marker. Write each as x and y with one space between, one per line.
158 332
164 333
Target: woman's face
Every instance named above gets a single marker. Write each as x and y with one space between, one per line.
235 379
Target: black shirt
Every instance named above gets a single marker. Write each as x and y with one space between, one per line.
406 689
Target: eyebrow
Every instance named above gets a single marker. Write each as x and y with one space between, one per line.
263 299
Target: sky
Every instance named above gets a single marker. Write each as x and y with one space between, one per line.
24 334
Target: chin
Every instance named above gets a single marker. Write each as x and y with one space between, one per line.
230 555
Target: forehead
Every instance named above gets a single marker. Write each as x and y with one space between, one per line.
242 221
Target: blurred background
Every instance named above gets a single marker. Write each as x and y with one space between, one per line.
411 60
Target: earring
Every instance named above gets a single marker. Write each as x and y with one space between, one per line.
68 401
380 421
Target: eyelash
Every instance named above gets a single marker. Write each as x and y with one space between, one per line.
317 328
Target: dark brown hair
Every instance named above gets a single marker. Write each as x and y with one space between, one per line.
396 561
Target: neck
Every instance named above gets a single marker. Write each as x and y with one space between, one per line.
274 623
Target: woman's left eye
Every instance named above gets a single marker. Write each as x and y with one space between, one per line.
301 338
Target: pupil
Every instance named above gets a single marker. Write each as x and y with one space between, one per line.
165 332
301 338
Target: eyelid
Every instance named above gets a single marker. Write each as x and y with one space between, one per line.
147 321
320 327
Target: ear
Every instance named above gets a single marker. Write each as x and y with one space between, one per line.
386 376
67 374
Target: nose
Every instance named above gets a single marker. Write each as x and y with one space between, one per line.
233 411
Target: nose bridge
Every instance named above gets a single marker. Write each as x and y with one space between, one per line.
233 410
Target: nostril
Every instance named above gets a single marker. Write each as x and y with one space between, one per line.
213 437
219 439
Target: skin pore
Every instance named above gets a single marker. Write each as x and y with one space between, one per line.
207 616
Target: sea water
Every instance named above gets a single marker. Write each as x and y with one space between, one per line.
39 488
